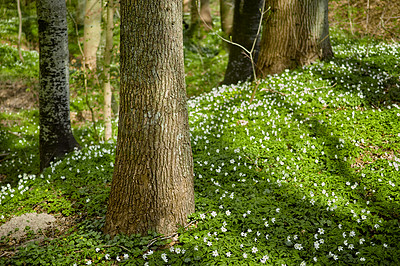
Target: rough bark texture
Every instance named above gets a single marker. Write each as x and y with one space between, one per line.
55 138
107 61
295 33
92 32
152 186
226 8
245 25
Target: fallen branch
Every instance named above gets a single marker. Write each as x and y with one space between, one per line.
151 242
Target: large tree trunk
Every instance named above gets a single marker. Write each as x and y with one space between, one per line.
226 9
152 186
55 138
245 26
92 32
107 61
295 33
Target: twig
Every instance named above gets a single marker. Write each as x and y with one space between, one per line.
109 246
274 91
323 87
151 242
14 133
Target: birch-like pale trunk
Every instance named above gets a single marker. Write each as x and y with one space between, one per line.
107 62
19 30
91 32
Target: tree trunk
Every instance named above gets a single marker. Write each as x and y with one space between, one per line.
227 8
152 186
295 33
200 14
186 5
80 12
107 61
245 26
55 138
205 14
19 30
92 32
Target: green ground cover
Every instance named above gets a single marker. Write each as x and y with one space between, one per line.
307 174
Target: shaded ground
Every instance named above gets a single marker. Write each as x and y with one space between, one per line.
16 95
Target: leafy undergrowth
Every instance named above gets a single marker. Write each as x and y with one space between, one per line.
305 174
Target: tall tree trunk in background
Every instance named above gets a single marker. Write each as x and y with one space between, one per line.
107 61
200 14
205 14
92 32
152 186
194 18
186 5
80 12
245 26
226 8
295 33
19 30
55 138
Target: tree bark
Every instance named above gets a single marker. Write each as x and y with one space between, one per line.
152 186
295 33
200 14
227 8
205 14
107 61
246 21
55 138
92 32
19 30
186 5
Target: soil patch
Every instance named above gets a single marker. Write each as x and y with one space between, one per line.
33 221
17 95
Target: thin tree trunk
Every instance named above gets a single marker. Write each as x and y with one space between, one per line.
55 138
205 14
152 186
92 32
186 5
194 18
200 14
226 8
80 12
19 30
296 33
245 26
107 61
